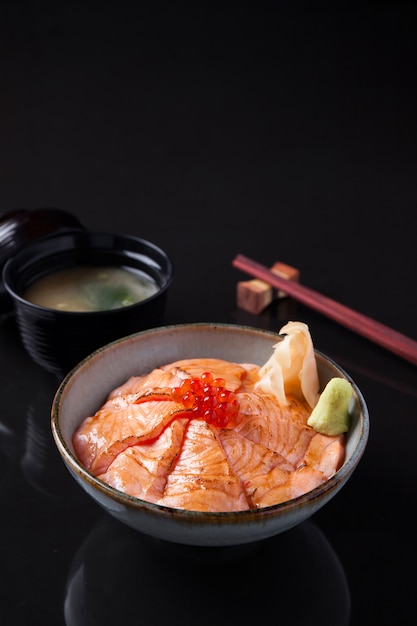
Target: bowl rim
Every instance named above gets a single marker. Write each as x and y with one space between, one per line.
331 484
88 236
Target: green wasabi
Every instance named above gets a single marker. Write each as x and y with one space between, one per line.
330 416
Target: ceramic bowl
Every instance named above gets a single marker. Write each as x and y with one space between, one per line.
58 339
85 388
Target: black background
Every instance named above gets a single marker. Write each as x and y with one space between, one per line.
285 131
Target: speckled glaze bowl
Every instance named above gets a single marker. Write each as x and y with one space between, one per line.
58 339
86 387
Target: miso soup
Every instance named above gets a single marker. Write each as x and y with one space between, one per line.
90 288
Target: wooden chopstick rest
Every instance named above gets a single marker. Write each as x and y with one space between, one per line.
255 295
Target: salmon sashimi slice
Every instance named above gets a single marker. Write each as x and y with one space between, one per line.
233 373
258 467
265 422
107 433
203 478
142 470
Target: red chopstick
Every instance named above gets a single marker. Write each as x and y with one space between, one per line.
399 344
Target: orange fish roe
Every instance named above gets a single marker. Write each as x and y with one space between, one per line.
208 399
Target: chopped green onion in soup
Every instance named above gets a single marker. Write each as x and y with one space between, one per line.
90 288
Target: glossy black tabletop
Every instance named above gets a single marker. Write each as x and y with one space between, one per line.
282 131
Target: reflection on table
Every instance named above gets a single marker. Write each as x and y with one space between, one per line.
119 575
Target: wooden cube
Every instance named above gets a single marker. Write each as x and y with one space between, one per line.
255 295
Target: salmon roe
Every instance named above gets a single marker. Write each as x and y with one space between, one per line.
208 398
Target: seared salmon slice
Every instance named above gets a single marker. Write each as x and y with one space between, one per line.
231 372
142 470
172 374
258 467
203 478
325 453
295 484
110 431
158 378
265 422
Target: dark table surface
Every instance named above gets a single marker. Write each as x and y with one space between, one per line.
282 131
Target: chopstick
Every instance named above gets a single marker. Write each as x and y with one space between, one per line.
392 340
